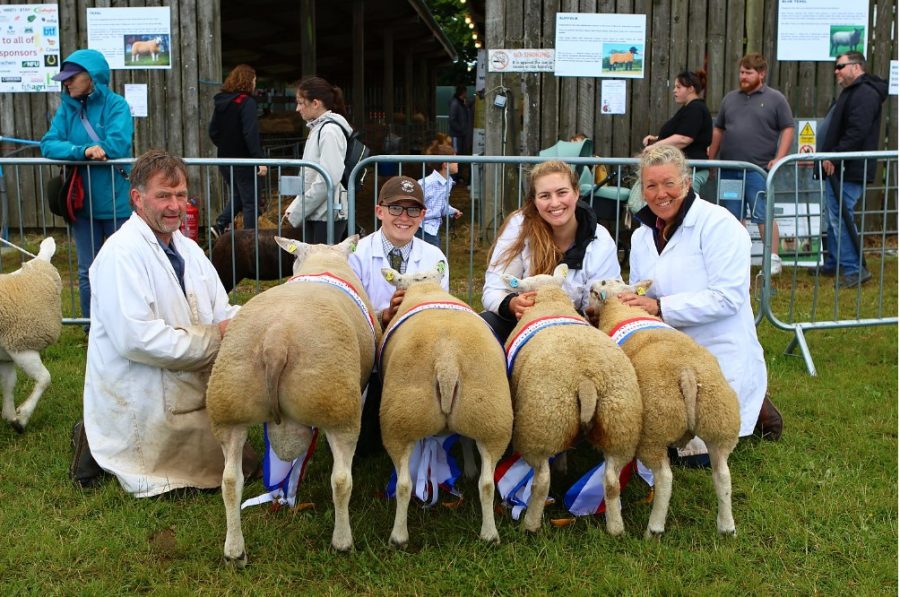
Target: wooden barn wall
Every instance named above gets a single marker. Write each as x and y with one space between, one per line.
681 34
179 99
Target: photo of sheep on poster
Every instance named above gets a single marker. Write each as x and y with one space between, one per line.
149 50
625 60
846 38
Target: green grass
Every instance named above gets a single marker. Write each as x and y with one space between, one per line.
815 513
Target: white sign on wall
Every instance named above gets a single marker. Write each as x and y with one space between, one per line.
821 29
521 61
136 96
29 47
892 83
612 96
600 45
131 38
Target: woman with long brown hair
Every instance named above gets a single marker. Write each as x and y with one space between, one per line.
551 227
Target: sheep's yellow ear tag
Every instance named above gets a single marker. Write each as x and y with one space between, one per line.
603 295
389 276
353 247
514 283
641 291
441 267
292 248
565 271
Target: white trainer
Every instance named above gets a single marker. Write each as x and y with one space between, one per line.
776 264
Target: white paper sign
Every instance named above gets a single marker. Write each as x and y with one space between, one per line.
521 61
892 84
821 29
131 38
612 96
136 96
29 47
600 45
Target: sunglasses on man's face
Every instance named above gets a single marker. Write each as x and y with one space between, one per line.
396 210
841 66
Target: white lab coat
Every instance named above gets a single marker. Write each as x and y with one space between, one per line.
369 258
702 279
601 261
149 356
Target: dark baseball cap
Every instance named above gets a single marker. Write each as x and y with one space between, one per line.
401 188
69 69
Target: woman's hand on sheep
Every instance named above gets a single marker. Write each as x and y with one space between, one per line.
520 303
223 325
650 305
392 307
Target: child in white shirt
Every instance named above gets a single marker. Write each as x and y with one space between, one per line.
436 187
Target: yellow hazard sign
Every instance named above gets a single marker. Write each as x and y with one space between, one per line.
807 133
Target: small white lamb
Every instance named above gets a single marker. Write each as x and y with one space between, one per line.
569 378
443 371
30 320
297 356
685 394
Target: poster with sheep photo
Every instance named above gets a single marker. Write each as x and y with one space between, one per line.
821 30
131 38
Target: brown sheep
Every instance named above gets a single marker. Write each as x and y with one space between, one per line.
685 394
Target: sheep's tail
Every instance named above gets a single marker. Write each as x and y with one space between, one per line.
446 383
587 401
689 387
274 356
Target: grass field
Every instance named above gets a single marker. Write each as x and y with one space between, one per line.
815 513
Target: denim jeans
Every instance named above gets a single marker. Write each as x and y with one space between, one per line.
754 199
245 197
432 239
840 239
89 236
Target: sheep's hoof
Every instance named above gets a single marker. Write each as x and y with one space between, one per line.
239 562
728 533
651 534
343 548
491 539
17 426
401 545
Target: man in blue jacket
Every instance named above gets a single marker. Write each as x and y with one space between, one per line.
852 124
92 123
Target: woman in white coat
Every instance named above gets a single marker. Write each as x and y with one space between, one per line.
551 228
158 313
321 105
698 257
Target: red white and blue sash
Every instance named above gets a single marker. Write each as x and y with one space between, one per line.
346 287
625 329
515 344
514 478
586 496
431 467
282 478
444 305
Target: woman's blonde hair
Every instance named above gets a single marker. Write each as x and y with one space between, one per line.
545 255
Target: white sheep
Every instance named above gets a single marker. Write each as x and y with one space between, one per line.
30 320
567 378
297 356
150 46
685 394
443 371
845 38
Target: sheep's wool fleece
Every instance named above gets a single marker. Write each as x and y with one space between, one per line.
30 307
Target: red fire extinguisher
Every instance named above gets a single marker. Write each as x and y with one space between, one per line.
190 226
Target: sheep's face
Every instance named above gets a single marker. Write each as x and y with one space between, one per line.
404 281
534 282
301 251
603 290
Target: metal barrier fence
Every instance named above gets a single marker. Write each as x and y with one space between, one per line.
27 180
822 291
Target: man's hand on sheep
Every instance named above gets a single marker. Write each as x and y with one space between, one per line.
223 325
95 152
650 305
392 307
520 303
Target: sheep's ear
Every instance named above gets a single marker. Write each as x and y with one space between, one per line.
561 271
48 248
292 246
513 283
391 275
642 287
348 245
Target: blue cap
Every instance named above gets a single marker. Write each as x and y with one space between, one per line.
69 69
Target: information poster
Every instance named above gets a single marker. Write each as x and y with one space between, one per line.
600 45
821 29
892 82
29 47
521 61
136 96
612 96
131 38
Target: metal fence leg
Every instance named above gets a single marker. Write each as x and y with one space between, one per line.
800 340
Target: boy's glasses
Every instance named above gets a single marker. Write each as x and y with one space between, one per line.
396 210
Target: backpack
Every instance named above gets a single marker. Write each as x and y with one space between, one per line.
356 152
